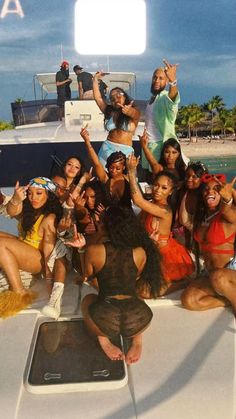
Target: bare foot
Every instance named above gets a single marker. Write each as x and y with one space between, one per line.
135 350
112 351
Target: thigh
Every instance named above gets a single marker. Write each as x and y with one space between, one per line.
136 316
28 258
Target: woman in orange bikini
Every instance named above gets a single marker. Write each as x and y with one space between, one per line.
214 231
157 217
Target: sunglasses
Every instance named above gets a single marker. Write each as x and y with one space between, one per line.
63 188
207 177
116 95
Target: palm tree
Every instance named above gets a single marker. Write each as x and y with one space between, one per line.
214 105
225 119
190 116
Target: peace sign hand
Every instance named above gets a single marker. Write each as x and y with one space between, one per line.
226 191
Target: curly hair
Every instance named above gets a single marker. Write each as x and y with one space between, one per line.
179 164
120 119
198 168
115 157
125 230
29 214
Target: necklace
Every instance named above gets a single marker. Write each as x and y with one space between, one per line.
207 220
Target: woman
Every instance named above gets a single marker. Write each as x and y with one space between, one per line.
115 180
121 120
128 254
214 231
190 195
170 159
38 210
158 217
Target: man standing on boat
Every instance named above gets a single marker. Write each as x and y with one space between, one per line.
63 82
161 110
85 83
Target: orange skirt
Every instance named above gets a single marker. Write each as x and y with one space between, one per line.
176 262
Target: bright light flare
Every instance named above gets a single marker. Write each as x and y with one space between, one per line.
110 27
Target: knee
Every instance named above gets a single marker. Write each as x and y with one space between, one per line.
218 280
191 299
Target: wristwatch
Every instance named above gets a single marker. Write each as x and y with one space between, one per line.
173 83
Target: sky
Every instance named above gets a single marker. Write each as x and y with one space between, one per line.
199 35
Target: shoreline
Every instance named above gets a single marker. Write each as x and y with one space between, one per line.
204 148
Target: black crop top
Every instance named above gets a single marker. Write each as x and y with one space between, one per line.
119 273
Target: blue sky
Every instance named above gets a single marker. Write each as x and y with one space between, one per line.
200 35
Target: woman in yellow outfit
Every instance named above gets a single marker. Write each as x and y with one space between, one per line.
38 211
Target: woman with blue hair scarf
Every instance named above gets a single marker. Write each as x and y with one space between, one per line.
38 210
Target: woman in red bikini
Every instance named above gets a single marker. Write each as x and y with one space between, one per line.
157 216
214 232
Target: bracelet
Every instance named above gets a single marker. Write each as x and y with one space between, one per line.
80 185
173 83
227 202
81 251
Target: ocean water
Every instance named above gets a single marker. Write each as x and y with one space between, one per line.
223 164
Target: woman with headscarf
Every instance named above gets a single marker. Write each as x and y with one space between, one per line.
38 210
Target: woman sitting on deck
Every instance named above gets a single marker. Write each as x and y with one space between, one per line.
157 216
121 120
38 210
128 254
214 231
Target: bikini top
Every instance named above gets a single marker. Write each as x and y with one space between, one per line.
215 236
32 237
110 125
149 229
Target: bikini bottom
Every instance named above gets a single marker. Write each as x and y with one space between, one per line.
126 317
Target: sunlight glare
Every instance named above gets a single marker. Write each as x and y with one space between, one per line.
110 27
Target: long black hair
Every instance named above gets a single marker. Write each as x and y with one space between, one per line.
29 214
120 119
125 230
179 164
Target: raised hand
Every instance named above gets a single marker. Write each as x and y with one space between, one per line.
20 193
126 108
143 138
132 162
85 134
226 191
66 222
170 70
78 240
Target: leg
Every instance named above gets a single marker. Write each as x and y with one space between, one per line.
223 282
53 307
134 352
15 255
200 295
112 351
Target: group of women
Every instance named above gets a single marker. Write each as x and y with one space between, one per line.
183 237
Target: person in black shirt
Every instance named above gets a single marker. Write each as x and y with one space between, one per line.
63 82
85 83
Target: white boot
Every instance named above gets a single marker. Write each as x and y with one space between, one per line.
53 307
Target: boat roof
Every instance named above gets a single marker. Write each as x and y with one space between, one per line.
125 80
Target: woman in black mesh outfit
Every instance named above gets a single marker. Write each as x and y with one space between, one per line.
128 254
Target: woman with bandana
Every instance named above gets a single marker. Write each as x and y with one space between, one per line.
38 211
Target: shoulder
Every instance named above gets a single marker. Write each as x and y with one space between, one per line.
49 220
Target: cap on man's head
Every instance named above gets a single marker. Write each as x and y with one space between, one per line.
77 67
64 63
